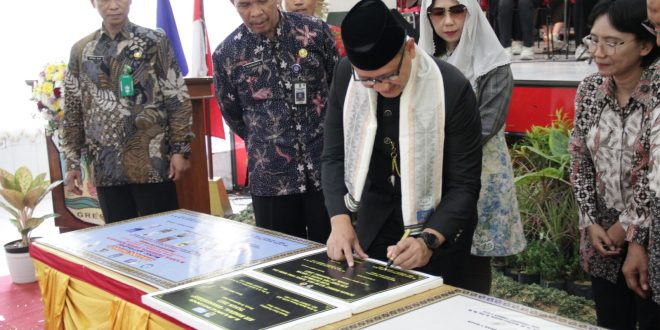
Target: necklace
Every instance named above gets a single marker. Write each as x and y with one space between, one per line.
393 155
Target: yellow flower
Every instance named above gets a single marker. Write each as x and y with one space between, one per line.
50 68
47 88
50 78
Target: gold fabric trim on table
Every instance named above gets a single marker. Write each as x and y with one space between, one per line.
70 303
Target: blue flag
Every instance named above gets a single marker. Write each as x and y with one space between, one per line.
165 21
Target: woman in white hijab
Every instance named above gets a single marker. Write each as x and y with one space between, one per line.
457 31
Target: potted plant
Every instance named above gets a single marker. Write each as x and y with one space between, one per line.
22 193
529 260
552 266
541 162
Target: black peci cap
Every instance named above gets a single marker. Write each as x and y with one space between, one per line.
372 36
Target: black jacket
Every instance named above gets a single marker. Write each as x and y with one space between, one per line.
456 215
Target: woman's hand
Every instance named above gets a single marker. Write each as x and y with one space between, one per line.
602 242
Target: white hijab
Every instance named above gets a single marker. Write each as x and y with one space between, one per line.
478 51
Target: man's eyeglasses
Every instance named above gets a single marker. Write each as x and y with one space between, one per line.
439 12
650 27
609 47
390 77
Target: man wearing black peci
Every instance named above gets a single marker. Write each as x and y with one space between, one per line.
401 150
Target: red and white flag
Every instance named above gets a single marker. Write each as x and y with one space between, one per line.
202 65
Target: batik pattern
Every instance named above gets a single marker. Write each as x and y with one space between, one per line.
130 138
255 80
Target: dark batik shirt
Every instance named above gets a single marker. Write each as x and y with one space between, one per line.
130 138
256 84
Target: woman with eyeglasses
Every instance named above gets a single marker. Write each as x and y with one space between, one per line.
610 156
459 32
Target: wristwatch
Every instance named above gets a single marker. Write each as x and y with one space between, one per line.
430 240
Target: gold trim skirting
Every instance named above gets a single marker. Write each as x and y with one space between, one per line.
70 303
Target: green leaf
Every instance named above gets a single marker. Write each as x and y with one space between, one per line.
23 179
33 197
34 223
39 181
13 197
9 182
548 172
48 189
4 174
558 143
30 224
542 154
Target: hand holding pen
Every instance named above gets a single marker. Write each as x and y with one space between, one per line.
406 233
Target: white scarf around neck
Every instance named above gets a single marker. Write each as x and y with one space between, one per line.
421 140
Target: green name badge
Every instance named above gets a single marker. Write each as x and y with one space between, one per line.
126 85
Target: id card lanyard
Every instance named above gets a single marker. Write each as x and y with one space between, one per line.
299 84
126 81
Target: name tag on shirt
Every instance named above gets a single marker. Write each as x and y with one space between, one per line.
95 59
126 85
252 64
300 93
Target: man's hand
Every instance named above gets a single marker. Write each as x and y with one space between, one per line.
178 165
636 270
343 241
617 235
409 253
602 242
73 181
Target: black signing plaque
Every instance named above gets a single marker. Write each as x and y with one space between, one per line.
243 302
319 273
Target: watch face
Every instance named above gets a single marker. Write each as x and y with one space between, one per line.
430 240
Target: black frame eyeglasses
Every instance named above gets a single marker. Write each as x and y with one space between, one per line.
440 12
650 27
394 76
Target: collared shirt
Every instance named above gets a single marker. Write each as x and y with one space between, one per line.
273 94
129 138
607 163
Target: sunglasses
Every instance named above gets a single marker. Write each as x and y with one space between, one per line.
441 12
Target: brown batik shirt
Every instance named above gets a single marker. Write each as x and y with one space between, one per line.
130 138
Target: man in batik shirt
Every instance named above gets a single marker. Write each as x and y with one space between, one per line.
272 76
127 106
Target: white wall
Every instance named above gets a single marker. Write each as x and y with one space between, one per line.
36 32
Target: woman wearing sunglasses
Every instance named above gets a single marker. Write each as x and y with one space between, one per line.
610 156
458 32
